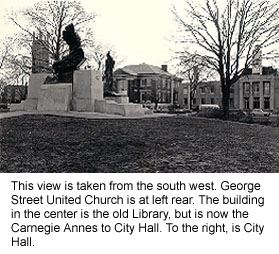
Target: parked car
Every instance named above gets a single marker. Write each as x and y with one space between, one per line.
3 105
205 107
178 111
259 112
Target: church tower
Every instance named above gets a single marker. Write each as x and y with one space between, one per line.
257 60
40 54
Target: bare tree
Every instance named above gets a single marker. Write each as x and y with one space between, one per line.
194 69
10 64
15 62
4 54
155 96
48 19
226 37
98 55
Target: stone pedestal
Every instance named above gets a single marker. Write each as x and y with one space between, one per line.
124 109
85 95
55 97
118 99
17 107
36 80
87 88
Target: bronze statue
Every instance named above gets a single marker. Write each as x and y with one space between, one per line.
109 89
64 68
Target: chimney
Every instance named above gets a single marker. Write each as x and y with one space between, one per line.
164 67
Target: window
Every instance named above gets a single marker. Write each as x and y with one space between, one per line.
246 103
175 99
175 84
266 103
211 89
266 88
168 97
256 102
212 101
256 87
160 83
169 84
186 101
153 83
185 91
194 101
143 97
164 84
202 100
143 83
163 97
246 87
231 102
202 90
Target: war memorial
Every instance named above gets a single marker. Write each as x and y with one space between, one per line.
71 89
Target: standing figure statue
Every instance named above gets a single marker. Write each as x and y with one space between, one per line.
109 89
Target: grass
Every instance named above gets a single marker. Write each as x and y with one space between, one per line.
37 143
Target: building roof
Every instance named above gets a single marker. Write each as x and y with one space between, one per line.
142 69
266 71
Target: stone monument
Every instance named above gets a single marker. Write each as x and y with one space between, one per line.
71 89
64 68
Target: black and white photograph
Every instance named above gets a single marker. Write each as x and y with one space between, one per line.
173 86
128 87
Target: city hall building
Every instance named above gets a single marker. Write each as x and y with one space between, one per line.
256 89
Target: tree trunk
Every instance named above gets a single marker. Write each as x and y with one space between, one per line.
156 105
226 101
191 99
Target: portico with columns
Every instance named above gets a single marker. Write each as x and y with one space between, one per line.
258 90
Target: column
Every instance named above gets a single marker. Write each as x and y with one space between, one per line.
241 98
261 95
272 95
189 96
172 89
251 99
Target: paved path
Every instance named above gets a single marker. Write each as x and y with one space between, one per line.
89 115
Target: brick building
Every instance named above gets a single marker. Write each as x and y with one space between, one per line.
206 93
144 82
13 94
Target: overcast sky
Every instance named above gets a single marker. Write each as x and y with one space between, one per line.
137 29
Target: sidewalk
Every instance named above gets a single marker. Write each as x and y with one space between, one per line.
75 114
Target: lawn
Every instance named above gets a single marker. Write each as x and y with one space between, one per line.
39 143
